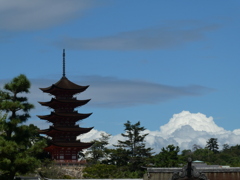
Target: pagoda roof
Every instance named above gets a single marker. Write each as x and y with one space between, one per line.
77 144
56 115
76 130
64 84
74 102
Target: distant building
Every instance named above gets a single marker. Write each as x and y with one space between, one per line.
212 172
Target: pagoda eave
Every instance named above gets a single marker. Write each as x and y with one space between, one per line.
58 91
64 85
72 102
77 131
75 116
79 146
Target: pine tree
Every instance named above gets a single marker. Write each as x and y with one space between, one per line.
212 145
168 157
19 143
135 145
98 151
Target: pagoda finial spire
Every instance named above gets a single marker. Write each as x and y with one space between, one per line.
63 62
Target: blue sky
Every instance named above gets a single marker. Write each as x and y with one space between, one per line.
144 61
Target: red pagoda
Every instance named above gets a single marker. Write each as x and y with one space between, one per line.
63 146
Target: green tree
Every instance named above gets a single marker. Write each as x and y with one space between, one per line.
186 153
168 157
232 155
135 146
135 140
19 143
212 145
205 155
225 147
196 147
100 171
104 171
98 151
119 157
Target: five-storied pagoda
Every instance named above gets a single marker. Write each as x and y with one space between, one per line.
64 147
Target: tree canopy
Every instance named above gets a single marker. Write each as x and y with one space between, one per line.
168 157
128 156
98 151
19 143
135 140
212 145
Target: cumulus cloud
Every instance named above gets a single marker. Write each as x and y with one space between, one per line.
198 122
184 130
38 14
166 36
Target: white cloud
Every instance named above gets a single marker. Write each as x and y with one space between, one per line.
184 130
93 134
38 14
236 131
198 122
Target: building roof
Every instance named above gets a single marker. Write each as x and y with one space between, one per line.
200 169
55 115
56 102
66 85
76 130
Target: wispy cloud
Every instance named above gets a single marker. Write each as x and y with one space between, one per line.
169 35
31 15
112 92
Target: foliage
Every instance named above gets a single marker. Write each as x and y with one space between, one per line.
168 157
230 156
186 153
212 145
225 147
100 171
124 161
119 157
196 147
135 140
135 147
104 171
19 144
98 151
205 155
